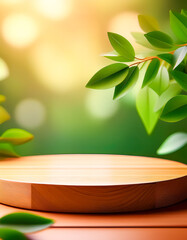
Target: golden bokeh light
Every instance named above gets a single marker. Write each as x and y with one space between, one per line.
30 113
52 68
10 2
4 72
124 23
100 104
53 9
19 30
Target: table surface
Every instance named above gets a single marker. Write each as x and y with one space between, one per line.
91 183
90 169
166 223
169 223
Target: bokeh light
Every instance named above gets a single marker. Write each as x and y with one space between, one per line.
19 30
124 23
100 104
30 113
52 48
53 9
10 2
4 72
53 69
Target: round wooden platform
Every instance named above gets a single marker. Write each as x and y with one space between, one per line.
91 183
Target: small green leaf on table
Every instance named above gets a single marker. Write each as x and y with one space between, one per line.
151 72
175 109
178 23
173 143
16 136
11 234
122 46
159 39
109 76
127 84
148 23
145 103
25 222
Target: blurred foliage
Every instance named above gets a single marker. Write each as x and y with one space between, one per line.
53 68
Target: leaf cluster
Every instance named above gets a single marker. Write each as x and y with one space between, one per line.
162 94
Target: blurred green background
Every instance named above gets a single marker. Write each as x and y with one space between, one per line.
51 49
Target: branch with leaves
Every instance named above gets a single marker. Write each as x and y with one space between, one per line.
162 94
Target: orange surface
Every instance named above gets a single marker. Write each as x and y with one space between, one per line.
112 234
174 216
162 224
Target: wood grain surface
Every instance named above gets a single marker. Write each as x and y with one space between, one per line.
91 183
112 234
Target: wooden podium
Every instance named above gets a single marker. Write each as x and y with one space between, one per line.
91 183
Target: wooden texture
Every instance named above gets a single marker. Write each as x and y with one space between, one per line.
91 183
112 234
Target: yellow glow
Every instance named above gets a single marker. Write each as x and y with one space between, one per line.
54 9
10 2
4 72
100 104
53 69
125 23
30 113
19 30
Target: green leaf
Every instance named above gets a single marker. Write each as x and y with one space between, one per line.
173 143
16 136
159 39
161 81
2 98
181 78
170 92
128 83
25 222
178 23
122 46
4 115
167 57
175 109
109 76
184 12
179 56
148 23
114 56
145 103
6 150
10 234
151 72
140 39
